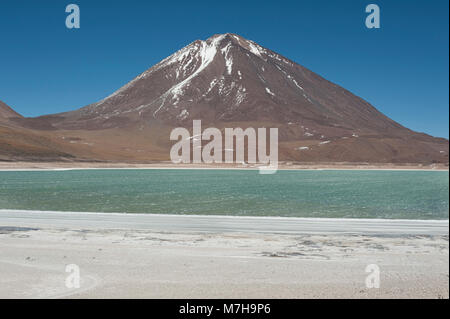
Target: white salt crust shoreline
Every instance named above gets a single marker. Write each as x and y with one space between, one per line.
149 256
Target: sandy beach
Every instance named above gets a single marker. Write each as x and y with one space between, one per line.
166 256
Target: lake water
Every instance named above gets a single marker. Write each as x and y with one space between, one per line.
326 193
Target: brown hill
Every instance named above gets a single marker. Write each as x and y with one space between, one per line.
19 143
6 112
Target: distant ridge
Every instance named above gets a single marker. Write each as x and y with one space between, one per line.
6 112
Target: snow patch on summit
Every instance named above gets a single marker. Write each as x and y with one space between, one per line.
228 58
254 49
206 55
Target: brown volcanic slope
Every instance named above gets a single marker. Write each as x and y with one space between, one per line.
228 81
18 143
7 112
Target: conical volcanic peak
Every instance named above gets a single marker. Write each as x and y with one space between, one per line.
229 78
229 81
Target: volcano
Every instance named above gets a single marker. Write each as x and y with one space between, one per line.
229 81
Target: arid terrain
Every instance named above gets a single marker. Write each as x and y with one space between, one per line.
225 81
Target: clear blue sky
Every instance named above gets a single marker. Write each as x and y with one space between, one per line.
402 68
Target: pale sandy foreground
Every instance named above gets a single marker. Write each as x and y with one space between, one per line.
159 256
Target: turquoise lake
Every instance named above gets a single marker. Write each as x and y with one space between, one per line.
324 193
